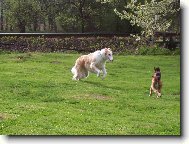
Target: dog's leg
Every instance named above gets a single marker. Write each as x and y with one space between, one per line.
150 91
154 89
104 72
158 94
159 89
75 77
86 73
95 69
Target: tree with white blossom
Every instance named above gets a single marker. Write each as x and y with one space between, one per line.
152 16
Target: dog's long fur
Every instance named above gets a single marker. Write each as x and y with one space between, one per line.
93 62
156 84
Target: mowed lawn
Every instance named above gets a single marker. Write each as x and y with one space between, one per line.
39 97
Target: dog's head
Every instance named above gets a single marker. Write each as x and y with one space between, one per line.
157 73
107 54
156 69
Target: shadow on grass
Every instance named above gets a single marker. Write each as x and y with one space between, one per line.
100 85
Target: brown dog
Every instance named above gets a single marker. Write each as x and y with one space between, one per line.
156 82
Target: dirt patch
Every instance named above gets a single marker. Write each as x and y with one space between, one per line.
175 93
93 96
23 57
4 116
101 97
55 62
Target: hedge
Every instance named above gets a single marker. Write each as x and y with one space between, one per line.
127 45
80 44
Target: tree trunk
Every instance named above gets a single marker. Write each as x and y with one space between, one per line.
1 18
22 27
35 25
52 23
81 5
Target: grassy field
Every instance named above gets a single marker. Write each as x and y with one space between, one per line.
38 97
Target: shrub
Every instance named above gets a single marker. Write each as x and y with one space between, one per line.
155 50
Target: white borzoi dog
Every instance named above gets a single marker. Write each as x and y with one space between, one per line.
93 62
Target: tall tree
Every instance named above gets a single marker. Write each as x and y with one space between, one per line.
22 14
63 16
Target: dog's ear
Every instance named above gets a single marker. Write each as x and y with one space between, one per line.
109 49
157 69
106 50
154 68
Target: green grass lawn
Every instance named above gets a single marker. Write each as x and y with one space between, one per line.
39 97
